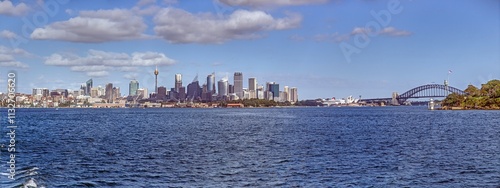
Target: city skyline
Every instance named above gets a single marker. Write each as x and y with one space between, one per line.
326 48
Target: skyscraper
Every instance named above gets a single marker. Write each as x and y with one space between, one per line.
133 86
116 93
109 92
286 94
178 82
294 96
223 88
238 84
162 93
156 79
252 88
274 88
88 86
211 83
193 90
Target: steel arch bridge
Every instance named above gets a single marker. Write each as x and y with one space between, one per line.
429 91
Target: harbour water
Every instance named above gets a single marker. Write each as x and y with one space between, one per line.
268 147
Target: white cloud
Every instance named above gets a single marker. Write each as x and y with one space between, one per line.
130 76
7 34
95 27
266 3
145 2
15 64
8 57
391 31
335 37
98 74
179 26
7 8
98 63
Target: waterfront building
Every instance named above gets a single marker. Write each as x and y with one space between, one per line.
238 84
133 86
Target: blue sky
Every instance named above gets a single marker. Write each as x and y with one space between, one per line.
325 48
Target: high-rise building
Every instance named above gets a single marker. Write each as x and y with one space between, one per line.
274 88
94 92
109 92
88 87
133 86
156 79
182 94
223 88
142 93
231 89
178 82
116 93
162 93
238 84
252 88
193 91
101 91
286 94
211 83
43 92
294 96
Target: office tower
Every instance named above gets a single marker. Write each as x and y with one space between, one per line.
133 86
231 89
178 82
116 93
182 94
252 88
286 94
162 93
238 84
94 92
101 91
142 93
88 87
109 92
44 92
156 79
193 91
223 88
260 92
274 88
204 93
294 96
211 83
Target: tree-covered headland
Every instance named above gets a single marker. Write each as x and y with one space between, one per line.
488 97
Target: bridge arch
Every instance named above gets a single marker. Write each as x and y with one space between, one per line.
429 91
